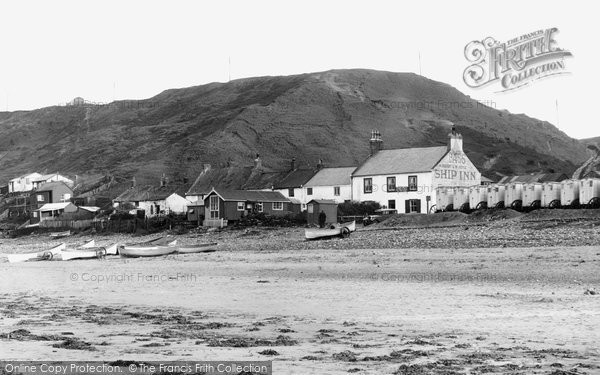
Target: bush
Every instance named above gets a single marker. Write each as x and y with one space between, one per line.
260 219
357 208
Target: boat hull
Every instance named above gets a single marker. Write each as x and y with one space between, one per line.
146 251
40 255
199 248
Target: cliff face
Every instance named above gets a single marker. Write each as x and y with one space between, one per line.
315 116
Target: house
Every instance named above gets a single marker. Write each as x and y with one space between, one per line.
43 179
406 179
151 201
23 183
52 210
231 205
292 185
50 192
330 184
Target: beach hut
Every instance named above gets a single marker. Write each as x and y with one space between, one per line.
551 194
444 198
460 200
478 197
316 206
532 194
569 193
589 192
495 195
514 195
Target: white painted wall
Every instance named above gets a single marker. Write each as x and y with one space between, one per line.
299 194
327 192
24 183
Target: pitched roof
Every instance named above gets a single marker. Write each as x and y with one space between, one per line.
403 160
54 206
51 185
295 179
332 177
539 177
322 201
251 195
90 208
146 193
228 178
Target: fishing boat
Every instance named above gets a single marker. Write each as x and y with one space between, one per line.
334 230
60 234
148 249
40 255
197 248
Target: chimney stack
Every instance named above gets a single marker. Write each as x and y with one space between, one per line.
163 180
320 164
293 165
375 143
133 182
456 142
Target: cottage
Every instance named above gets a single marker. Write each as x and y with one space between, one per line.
406 179
52 210
222 206
55 177
150 201
23 183
330 184
50 192
292 185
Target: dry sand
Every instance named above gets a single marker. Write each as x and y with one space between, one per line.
322 311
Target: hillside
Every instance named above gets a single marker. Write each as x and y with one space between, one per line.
325 115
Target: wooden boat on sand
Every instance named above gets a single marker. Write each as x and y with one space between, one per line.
60 234
87 253
343 230
148 249
40 255
197 248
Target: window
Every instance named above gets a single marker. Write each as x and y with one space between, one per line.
277 206
259 207
240 206
336 191
368 185
35 214
40 198
412 205
136 203
412 183
213 206
308 191
391 184
291 192
392 204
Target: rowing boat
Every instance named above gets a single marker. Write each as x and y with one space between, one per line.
197 248
333 230
97 252
40 255
148 249
60 234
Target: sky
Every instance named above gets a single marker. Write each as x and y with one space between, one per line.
54 51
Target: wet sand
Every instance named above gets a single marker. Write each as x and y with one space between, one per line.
365 311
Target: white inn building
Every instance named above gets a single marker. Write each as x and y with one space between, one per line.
406 179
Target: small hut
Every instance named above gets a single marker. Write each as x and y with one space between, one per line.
514 194
589 191
532 194
316 206
551 194
444 198
496 195
569 193
478 197
461 197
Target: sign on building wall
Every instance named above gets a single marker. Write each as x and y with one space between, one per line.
455 169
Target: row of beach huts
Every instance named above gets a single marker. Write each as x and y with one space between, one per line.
571 193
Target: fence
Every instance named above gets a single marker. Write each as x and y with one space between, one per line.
71 224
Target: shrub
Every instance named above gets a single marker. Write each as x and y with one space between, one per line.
358 208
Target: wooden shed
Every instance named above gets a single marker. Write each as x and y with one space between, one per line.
478 197
444 198
514 194
589 191
460 198
496 195
316 206
551 194
532 194
569 193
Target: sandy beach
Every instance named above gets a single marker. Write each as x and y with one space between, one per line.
521 310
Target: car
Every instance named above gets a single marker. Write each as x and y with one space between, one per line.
379 215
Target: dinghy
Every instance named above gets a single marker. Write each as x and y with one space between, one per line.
148 249
60 234
197 248
40 255
98 252
333 230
